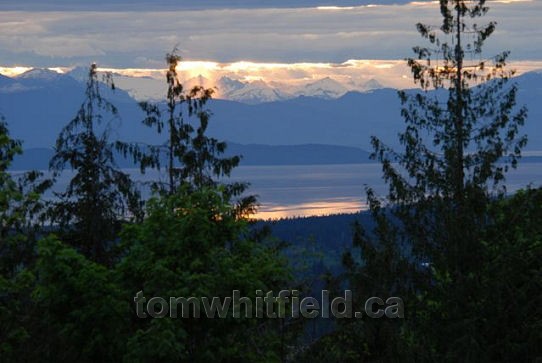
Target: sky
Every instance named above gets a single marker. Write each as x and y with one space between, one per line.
257 38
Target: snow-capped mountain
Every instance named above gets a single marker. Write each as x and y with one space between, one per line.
34 79
257 92
240 90
250 92
142 88
153 88
372 84
199 80
365 86
324 88
226 85
79 73
261 91
41 74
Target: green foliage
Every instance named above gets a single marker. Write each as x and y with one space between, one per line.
513 279
70 308
82 313
99 196
20 206
193 244
15 304
355 341
71 299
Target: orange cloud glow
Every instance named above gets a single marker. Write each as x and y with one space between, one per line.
351 74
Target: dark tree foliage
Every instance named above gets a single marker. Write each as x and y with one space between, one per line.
68 300
20 210
459 141
193 244
512 279
192 157
454 140
78 312
99 197
464 257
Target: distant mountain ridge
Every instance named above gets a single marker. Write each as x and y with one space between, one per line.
310 154
37 106
42 74
251 155
250 92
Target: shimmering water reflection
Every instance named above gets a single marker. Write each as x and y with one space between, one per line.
308 190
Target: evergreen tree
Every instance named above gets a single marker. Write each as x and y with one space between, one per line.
459 141
197 234
100 196
191 157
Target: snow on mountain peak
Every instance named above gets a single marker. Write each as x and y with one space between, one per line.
227 85
257 92
372 84
324 88
237 89
43 74
199 80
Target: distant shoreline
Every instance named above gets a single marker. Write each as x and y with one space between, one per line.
252 155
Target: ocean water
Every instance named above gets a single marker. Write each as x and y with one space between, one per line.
305 190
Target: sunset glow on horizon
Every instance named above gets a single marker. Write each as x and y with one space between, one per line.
351 74
320 208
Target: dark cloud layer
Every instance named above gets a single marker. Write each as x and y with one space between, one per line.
77 5
128 37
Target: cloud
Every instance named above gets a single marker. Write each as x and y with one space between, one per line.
131 38
151 5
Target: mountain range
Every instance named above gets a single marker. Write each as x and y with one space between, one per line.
250 92
37 104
